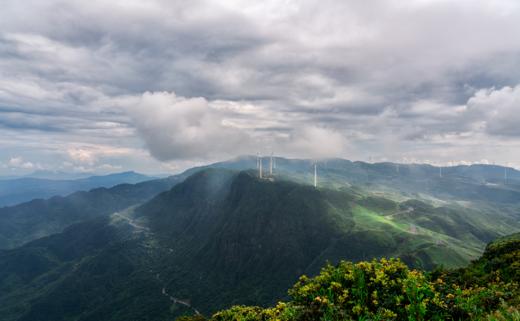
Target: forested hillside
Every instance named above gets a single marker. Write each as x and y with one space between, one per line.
487 289
38 218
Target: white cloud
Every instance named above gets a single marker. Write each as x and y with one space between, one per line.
82 155
498 110
20 163
314 142
109 167
180 128
92 154
176 127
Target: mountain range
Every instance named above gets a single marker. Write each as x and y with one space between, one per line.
22 189
219 235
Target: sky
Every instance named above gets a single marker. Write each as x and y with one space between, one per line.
158 86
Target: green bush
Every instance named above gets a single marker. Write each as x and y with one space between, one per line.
377 290
241 313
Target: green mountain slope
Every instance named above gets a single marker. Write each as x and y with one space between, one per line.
38 218
220 238
487 289
85 271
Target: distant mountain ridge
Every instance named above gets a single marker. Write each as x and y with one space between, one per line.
490 183
18 190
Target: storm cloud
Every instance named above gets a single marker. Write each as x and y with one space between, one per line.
169 82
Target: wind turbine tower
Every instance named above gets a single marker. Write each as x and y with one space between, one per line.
505 175
440 171
315 176
260 167
271 165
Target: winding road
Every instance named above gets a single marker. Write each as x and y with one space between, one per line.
406 211
131 222
146 230
176 300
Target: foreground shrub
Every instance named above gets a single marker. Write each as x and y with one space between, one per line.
377 290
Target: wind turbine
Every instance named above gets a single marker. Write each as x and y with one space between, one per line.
315 176
271 165
260 167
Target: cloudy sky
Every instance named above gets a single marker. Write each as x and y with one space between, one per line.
156 86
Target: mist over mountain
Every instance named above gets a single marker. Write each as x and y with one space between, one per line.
58 175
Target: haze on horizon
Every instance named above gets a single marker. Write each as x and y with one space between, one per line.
158 86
